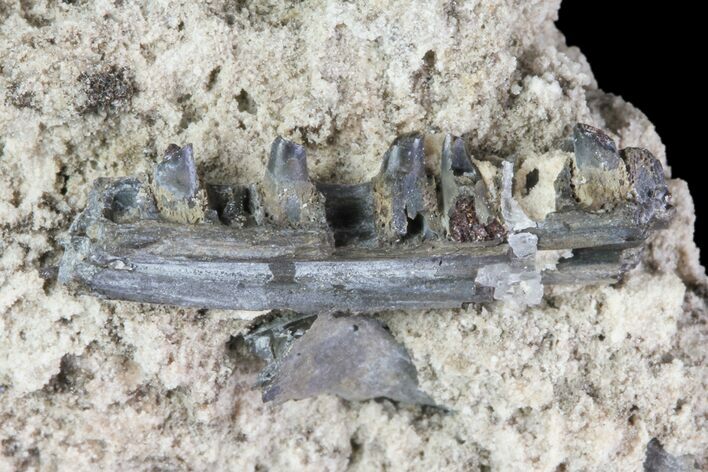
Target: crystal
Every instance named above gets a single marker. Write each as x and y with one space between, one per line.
523 244
511 210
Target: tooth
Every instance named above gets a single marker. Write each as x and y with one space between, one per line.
594 149
649 190
599 180
402 193
287 162
176 175
289 195
176 185
466 214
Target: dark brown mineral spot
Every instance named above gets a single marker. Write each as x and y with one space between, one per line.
18 97
109 89
465 227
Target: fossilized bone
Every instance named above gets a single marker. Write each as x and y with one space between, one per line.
429 231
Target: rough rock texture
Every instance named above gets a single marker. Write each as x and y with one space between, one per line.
95 89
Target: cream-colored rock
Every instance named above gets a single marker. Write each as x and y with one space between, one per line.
581 382
540 199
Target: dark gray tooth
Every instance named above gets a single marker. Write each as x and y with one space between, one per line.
646 176
289 195
178 194
466 214
405 158
456 159
353 357
177 173
594 149
403 183
288 161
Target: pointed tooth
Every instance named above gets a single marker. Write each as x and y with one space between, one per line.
594 149
466 211
406 156
288 161
290 196
403 178
456 158
176 186
176 175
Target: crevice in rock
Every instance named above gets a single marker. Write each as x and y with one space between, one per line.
246 103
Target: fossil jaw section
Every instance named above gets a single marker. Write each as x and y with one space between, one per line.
436 228
433 229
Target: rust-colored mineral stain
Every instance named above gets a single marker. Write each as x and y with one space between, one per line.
465 227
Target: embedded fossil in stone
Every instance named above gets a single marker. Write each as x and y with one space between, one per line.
465 197
416 236
412 238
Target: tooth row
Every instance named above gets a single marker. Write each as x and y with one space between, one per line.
410 199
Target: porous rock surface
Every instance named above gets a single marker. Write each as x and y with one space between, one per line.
94 89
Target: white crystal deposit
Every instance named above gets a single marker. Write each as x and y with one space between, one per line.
99 89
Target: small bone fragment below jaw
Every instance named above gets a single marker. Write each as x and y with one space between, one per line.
353 357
